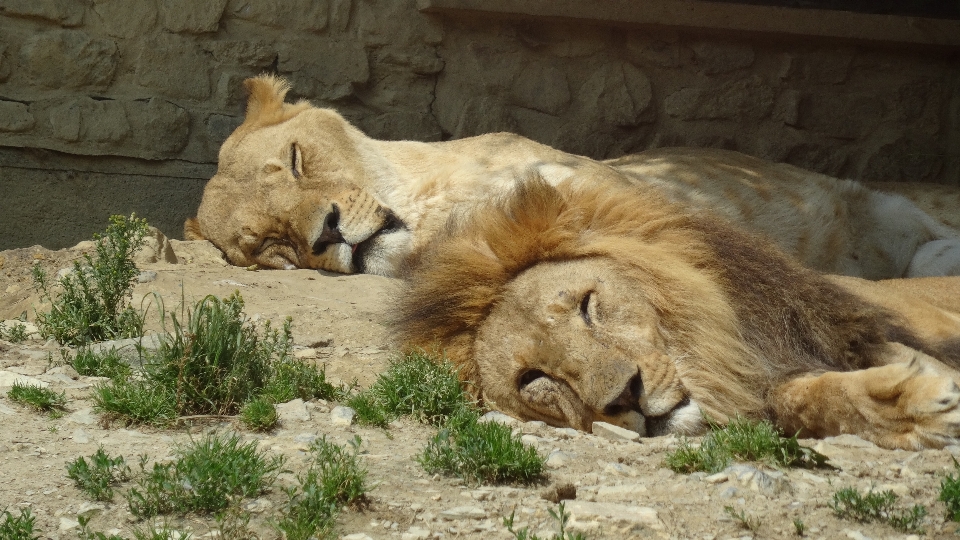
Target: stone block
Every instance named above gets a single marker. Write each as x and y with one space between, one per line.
842 115
257 54
542 87
653 52
744 99
89 120
191 16
126 18
62 12
15 117
326 69
823 66
617 94
907 159
713 58
5 67
590 516
286 14
174 66
614 433
69 59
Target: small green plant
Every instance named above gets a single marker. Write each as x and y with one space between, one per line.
799 527
97 477
259 415
17 528
93 300
950 493
98 364
416 385
86 534
208 473
848 503
750 523
135 401
291 379
483 452
334 479
744 440
41 399
560 515
17 333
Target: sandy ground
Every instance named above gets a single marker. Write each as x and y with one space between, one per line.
622 489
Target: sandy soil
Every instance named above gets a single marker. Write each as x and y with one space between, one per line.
622 489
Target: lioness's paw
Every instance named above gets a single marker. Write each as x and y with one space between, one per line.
932 402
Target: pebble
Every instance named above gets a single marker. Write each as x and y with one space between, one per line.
83 416
463 512
146 276
558 458
68 524
717 478
619 469
294 409
129 349
497 416
357 536
625 492
768 483
80 436
258 506
342 416
305 354
855 535
584 515
90 509
532 440
614 433
849 440
9 378
415 533
568 433
64 370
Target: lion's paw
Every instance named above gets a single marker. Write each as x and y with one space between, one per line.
931 401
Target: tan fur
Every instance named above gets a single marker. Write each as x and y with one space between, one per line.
259 198
581 302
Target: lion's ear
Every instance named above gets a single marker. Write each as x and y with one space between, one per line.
191 229
266 97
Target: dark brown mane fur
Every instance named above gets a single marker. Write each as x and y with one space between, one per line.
789 319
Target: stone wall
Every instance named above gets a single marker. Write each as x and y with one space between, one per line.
110 106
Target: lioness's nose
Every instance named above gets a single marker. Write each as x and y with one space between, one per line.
629 398
330 233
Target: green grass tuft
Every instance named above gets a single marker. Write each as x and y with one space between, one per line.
105 364
848 503
98 477
208 474
482 452
950 493
291 379
335 479
17 528
16 333
92 302
742 440
259 415
41 399
135 401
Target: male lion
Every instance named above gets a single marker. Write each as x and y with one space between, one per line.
299 187
578 303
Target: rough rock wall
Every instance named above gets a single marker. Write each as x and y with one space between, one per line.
111 106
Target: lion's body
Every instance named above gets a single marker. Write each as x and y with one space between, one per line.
576 304
286 170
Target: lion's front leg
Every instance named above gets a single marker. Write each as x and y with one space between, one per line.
910 404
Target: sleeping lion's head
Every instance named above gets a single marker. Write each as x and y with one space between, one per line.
285 195
574 305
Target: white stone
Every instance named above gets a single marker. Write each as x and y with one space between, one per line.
9 378
294 409
64 370
497 416
82 416
415 533
855 535
850 440
583 514
80 436
614 433
305 354
625 492
6 410
463 512
68 524
717 478
258 506
766 482
342 416
568 433
619 469
357 536
558 458
531 440
90 509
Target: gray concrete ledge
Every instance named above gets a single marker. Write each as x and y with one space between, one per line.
722 16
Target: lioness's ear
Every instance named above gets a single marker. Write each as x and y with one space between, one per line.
266 97
191 229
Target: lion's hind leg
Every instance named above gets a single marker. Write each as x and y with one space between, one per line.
908 404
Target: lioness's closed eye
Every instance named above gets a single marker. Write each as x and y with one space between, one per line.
580 303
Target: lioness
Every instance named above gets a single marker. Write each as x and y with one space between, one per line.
299 187
581 303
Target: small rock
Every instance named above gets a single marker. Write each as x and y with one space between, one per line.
68 524
64 370
80 436
342 416
729 492
717 478
497 416
82 416
357 536
415 533
557 459
532 440
305 354
768 483
583 514
568 433
619 469
294 409
533 426
626 492
9 378
90 509
900 489
6 410
463 512
129 349
849 440
146 276
855 535
614 433
258 506
305 438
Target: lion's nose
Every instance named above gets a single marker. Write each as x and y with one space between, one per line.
330 233
629 398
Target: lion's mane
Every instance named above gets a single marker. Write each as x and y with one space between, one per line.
738 315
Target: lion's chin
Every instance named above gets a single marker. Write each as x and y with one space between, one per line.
684 419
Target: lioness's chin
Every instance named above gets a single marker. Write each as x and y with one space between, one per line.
380 254
686 419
